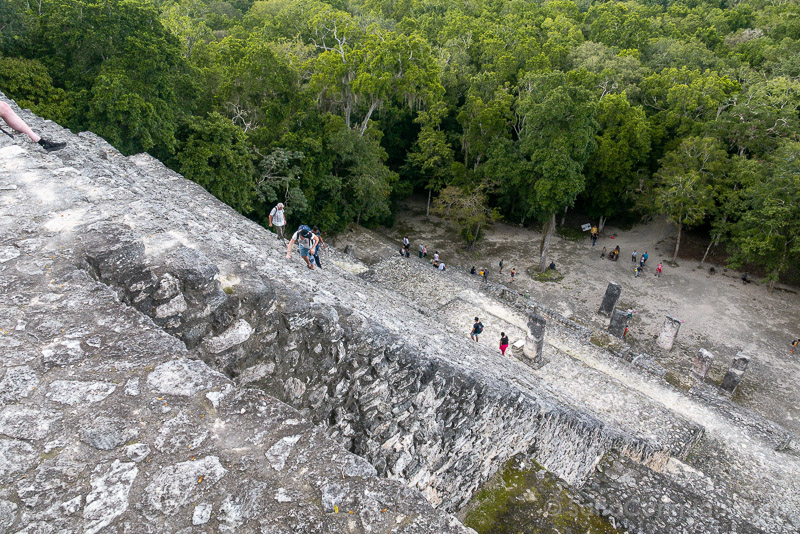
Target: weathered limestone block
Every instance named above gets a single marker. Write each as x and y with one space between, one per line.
613 292
618 323
735 374
702 363
518 349
669 331
534 342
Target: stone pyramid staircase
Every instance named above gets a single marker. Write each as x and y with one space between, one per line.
381 361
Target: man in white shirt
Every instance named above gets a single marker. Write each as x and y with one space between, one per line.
276 217
306 242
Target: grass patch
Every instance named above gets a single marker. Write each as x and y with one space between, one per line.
550 275
525 497
675 380
228 290
602 340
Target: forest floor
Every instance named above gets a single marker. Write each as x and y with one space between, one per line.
718 311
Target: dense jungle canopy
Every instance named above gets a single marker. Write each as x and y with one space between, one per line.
496 108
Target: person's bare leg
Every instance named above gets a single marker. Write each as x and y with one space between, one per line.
14 121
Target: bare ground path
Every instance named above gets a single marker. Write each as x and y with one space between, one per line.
719 312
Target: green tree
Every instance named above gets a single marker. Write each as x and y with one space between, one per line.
29 83
684 185
616 168
768 233
467 209
761 115
683 100
279 181
557 136
216 156
432 155
125 71
358 166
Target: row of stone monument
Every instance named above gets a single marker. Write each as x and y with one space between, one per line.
669 331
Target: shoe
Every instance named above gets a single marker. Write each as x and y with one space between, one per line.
51 146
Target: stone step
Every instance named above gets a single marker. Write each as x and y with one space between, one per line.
642 501
454 299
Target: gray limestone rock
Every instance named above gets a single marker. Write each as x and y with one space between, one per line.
534 341
176 485
16 456
27 423
137 451
63 352
702 363
17 383
8 253
280 451
174 307
332 496
109 496
201 514
132 387
183 377
734 376
238 333
669 331
79 392
107 433
168 287
8 514
192 267
618 323
180 434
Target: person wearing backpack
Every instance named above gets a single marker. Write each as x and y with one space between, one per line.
477 330
306 242
276 217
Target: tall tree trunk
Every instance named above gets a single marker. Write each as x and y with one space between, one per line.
714 242
547 233
474 238
428 208
772 285
677 243
522 222
710 243
358 218
601 224
564 217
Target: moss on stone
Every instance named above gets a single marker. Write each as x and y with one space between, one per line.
525 498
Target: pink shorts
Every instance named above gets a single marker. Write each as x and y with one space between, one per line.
503 348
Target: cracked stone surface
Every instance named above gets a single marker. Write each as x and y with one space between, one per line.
162 397
108 422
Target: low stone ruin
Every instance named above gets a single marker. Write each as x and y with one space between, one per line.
734 376
702 363
610 298
618 323
669 331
